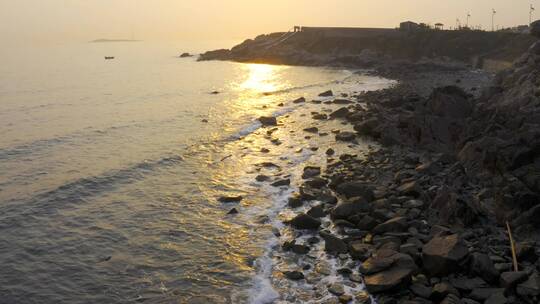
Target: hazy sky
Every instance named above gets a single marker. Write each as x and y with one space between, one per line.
81 20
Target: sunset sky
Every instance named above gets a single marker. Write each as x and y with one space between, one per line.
81 20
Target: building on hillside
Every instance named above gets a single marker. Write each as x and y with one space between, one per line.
409 26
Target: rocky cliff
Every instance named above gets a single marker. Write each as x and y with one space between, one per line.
444 47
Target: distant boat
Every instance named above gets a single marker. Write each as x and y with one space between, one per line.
109 57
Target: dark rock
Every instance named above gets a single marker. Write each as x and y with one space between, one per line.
368 128
481 294
310 171
421 290
392 278
410 189
441 290
316 182
366 223
360 251
467 284
497 298
443 254
268 121
481 265
356 189
300 249
342 101
346 209
294 275
397 224
320 116
312 130
262 178
230 199
340 113
233 211
451 299
535 29
299 100
345 136
281 183
526 252
317 211
185 55
531 287
295 201
304 221
333 244
328 93
330 152
512 278
336 289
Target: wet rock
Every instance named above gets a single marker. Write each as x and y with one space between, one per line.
512 278
390 279
294 275
397 224
344 299
300 249
366 223
262 178
482 265
368 128
340 113
311 171
295 201
299 100
311 130
360 251
316 182
443 254
281 183
328 93
330 152
185 55
268 121
336 289
317 211
376 264
333 244
342 101
356 189
320 116
304 221
345 136
233 211
347 209
230 199
467 284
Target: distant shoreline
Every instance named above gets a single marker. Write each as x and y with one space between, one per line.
113 40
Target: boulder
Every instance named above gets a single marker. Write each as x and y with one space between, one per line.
299 100
336 289
304 221
399 273
359 250
531 287
281 183
311 130
356 189
443 254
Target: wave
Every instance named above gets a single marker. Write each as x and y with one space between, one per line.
82 189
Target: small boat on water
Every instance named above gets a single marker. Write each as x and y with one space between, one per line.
109 57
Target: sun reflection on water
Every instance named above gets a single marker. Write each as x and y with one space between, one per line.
262 78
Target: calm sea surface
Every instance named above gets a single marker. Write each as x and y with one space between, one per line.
110 172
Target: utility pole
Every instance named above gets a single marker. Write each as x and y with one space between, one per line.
468 17
458 25
493 19
531 12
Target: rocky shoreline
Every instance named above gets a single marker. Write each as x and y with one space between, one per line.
448 210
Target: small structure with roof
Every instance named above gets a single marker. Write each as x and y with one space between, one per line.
439 26
409 26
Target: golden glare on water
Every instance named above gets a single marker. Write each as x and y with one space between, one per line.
262 78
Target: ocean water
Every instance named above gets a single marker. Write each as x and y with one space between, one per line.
110 172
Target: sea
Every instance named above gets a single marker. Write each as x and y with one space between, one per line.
111 173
